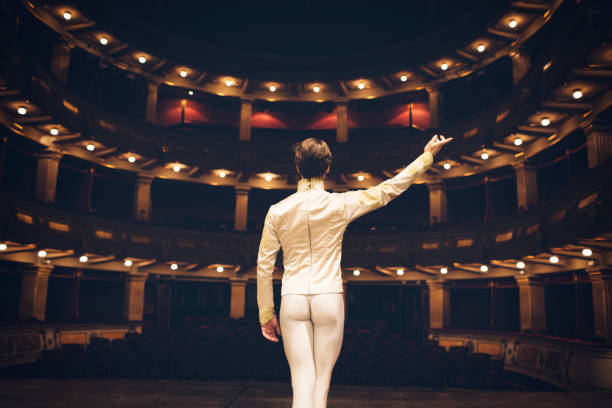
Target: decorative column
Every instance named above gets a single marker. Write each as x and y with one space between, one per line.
34 284
237 298
246 111
133 298
601 282
341 122
151 113
526 185
520 64
60 60
242 205
435 102
532 299
46 175
599 145
437 202
142 198
439 303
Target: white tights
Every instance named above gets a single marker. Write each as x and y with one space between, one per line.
312 328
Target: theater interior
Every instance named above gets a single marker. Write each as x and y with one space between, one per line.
143 142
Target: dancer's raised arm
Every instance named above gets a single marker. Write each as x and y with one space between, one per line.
361 202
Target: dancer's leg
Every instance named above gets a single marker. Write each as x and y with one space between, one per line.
327 315
297 335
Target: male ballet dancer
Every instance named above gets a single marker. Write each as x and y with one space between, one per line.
309 226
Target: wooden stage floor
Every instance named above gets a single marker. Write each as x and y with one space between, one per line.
35 393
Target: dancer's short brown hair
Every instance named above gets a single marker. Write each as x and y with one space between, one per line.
312 157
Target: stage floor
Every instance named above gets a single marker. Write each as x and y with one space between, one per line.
35 393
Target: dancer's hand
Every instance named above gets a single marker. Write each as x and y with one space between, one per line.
269 328
435 144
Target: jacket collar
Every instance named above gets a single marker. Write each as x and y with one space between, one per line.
314 183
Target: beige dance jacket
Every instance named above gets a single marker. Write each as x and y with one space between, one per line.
309 226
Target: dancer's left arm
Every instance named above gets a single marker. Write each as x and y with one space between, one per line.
266 258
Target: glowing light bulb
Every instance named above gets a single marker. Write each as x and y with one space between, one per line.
512 23
520 265
229 82
481 48
444 66
22 110
447 166
484 268
587 252
484 155
356 272
83 258
54 131
174 267
522 271
545 121
404 78
554 259
360 177
443 270
176 168
190 93
90 147
3 247
577 94
219 269
518 141
400 271
142 59
131 159
103 40
183 73
67 15
316 89
42 253
128 262
361 85
268 177
222 174
272 88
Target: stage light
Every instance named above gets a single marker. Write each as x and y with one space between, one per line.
3 247
316 89
360 177
176 168
131 159
83 259
587 252
222 174
268 177
404 78
484 155
142 59
356 272
520 265
90 147
512 23
229 82
484 268
545 121
272 88
190 93
577 94
54 131
400 271
67 15
447 166
481 48
444 66
128 262
42 253
103 40
219 269
443 271
174 267
554 259
518 141
183 73
361 85
22 110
